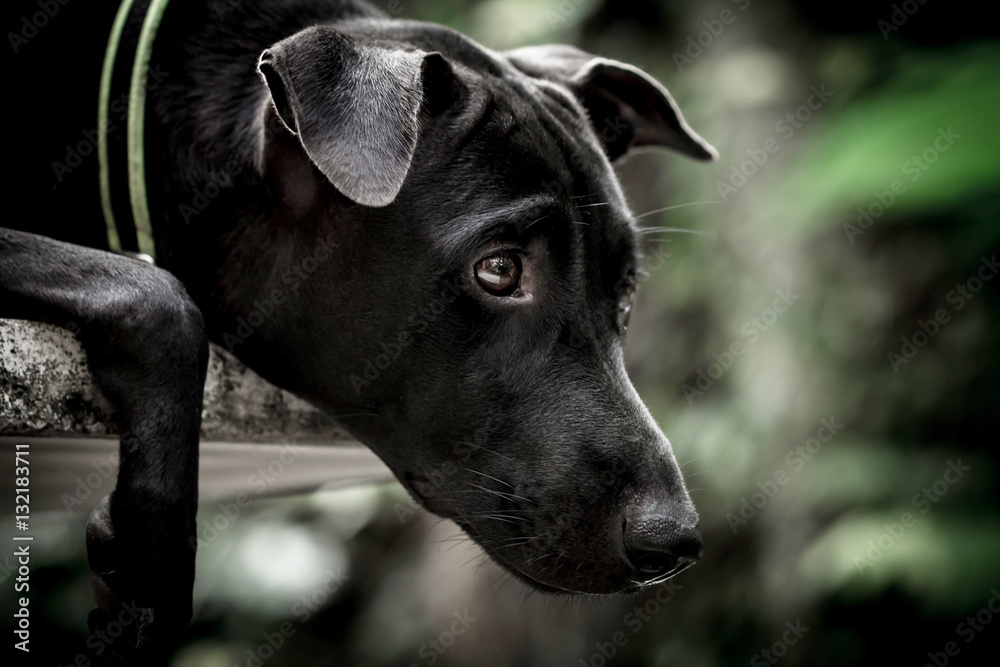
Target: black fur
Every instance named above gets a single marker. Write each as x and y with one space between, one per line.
510 414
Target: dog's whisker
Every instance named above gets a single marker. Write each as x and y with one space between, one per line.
485 449
491 477
480 565
558 557
478 490
536 558
477 556
602 203
513 542
679 230
507 518
697 458
451 546
700 472
675 206
524 600
499 578
498 517
501 517
501 494
534 221
487 511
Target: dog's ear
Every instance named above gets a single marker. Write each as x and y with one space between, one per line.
355 107
627 107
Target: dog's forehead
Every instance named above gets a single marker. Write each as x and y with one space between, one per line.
528 136
515 170
552 153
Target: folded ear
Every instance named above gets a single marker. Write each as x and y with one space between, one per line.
627 107
355 107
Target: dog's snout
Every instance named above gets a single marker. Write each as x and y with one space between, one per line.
658 546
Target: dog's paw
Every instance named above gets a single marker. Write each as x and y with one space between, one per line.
142 605
123 645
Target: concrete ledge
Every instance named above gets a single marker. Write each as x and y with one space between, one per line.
256 439
46 388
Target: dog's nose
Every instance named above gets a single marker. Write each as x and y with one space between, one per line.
658 546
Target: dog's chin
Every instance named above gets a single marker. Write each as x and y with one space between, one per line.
628 588
594 587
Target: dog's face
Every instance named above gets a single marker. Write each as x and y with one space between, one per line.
484 266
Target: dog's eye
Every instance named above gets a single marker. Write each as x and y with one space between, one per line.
499 274
625 307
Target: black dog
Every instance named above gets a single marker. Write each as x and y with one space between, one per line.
418 234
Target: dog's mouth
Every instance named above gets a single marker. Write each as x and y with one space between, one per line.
628 587
434 499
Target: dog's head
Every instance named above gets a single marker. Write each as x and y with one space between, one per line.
470 321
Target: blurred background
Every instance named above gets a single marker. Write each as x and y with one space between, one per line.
822 349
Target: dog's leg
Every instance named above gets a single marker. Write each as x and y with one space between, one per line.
146 345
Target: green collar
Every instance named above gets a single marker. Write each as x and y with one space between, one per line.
136 165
